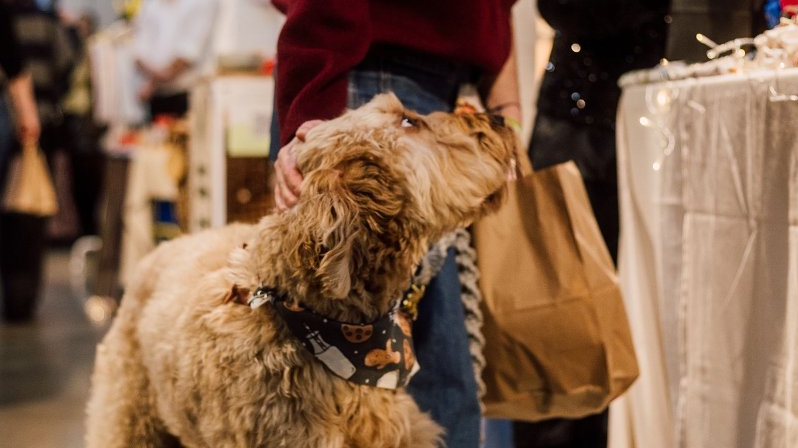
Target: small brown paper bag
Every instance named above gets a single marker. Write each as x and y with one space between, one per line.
558 342
30 188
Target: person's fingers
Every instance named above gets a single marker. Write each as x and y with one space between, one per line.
279 204
279 195
288 180
287 198
34 132
28 128
146 91
27 135
278 170
278 200
291 176
305 127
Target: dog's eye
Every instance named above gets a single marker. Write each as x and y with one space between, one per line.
408 122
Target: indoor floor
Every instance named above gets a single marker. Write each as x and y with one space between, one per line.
45 368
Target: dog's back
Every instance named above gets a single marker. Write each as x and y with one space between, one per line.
154 304
180 363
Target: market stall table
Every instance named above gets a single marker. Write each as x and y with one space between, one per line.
708 175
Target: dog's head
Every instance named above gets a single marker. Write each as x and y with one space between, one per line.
382 182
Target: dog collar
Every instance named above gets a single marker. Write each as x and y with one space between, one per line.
378 354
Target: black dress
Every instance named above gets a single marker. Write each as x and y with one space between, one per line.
595 42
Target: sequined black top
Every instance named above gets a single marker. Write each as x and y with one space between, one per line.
595 42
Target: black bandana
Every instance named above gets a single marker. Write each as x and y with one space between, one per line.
378 354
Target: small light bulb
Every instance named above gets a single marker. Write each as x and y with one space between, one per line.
663 98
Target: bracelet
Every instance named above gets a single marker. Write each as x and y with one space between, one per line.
502 106
513 123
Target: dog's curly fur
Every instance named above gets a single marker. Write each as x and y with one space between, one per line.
184 365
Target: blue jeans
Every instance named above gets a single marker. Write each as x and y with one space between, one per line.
445 386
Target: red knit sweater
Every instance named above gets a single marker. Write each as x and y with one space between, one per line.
323 39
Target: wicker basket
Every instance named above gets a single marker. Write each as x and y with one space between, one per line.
249 188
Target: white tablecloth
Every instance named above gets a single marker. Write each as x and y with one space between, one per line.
708 172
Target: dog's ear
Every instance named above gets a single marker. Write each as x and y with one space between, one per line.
354 219
333 221
386 237
387 102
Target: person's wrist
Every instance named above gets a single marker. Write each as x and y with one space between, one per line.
513 124
509 111
505 108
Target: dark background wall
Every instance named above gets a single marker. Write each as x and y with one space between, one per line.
720 20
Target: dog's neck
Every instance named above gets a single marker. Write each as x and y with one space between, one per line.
377 281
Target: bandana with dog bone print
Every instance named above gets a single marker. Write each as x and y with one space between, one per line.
378 354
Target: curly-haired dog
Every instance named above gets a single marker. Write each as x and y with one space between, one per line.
183 364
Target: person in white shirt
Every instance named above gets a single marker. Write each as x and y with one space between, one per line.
173 50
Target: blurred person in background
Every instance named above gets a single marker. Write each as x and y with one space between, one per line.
81 132
335 54
17 82
44 45
173 50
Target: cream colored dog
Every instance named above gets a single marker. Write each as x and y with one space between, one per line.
184 365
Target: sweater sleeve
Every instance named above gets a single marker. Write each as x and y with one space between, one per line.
318 45
11 60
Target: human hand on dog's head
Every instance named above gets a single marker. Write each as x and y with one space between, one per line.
288 178
379 183
441 167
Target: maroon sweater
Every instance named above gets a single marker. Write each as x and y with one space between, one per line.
323 39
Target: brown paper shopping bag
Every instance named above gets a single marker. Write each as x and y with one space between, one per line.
557 337
30 188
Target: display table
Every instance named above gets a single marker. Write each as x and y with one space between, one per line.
708 261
